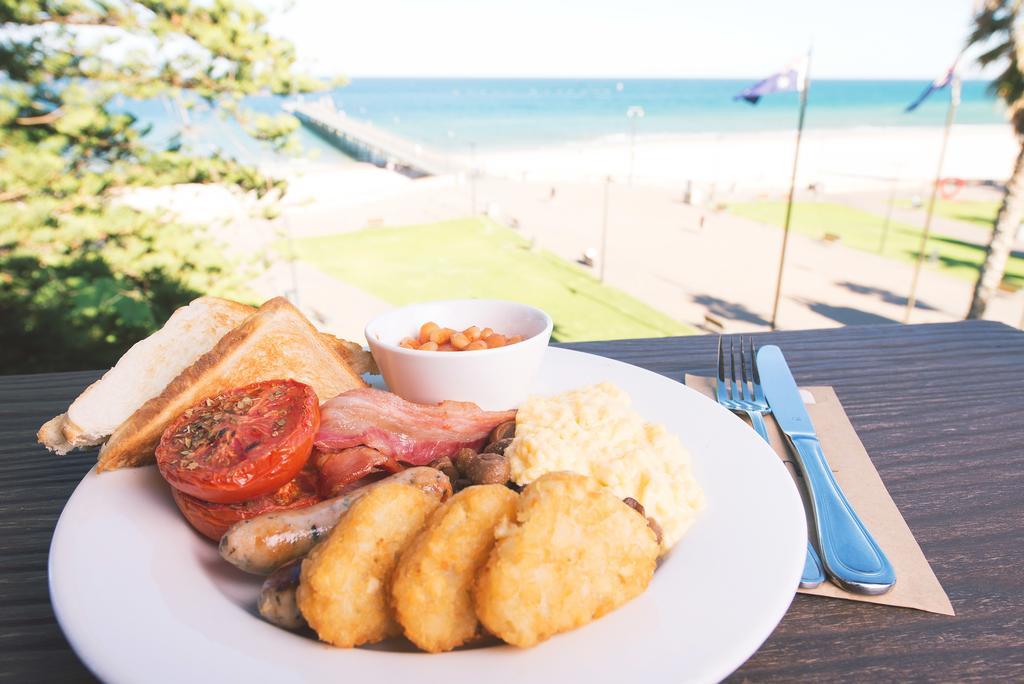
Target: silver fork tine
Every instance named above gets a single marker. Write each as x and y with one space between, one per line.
758 392
720 387
747 395
737 393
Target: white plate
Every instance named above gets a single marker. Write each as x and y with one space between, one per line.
143 598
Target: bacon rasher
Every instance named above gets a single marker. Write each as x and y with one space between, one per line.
415 434
343 470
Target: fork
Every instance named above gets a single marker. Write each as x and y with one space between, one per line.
739 395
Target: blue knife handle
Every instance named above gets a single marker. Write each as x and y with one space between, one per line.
851 555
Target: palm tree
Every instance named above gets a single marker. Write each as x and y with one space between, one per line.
998 27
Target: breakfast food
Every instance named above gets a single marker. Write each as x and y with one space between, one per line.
489 467
468 467
433 337
594 431
275 342
151 364
264 543
239 453
408 432
273 444
346 469
242 443
431 590
343 587
142 373
352 354
277 603
212 520
573 553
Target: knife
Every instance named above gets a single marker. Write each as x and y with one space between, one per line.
851 556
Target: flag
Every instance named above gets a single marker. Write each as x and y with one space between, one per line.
790 79
938 84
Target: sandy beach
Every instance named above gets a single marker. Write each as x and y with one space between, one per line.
723 166
660 249
839 160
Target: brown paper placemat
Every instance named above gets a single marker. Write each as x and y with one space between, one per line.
916 584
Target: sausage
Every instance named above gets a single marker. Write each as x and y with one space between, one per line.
264 543
277 602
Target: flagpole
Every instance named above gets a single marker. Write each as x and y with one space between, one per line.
954 100
792 189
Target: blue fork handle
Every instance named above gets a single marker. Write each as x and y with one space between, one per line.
758 420
813 574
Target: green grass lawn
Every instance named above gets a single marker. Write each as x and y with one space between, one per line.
476 257
863 230
978 212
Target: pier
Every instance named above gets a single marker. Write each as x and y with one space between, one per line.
365 142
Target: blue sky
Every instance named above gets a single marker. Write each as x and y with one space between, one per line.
632 38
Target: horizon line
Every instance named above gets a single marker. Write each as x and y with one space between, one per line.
638 78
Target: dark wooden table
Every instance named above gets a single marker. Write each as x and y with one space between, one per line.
939 407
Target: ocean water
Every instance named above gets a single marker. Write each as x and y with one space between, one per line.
460 115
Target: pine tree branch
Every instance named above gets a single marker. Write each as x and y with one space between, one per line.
13 195
41 119
78 19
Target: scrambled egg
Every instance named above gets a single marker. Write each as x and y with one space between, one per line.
593 431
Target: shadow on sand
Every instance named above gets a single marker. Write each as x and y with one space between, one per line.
729 310
887 296
846 315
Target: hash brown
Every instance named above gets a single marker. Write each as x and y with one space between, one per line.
432 587
574 553
343 587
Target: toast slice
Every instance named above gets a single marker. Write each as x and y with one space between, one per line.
358 359
275 342
150 365
142 373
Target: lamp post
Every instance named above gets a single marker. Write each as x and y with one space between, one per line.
633 113
604 227
472 178
888 211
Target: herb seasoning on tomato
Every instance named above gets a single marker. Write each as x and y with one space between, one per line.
242 443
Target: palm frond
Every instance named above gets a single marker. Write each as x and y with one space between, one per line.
998 27
995 54
989 23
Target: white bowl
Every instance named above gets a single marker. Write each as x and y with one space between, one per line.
494 379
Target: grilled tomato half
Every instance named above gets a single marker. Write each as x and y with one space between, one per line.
212 520
242 443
